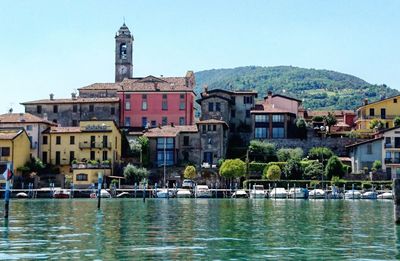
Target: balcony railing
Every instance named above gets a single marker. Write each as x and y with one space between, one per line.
388 161
82 165
95 145
378 116
392 146
392 160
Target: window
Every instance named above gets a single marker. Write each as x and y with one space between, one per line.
164 102
127 105
209 127
105 141
92 141
214 127
91 108
233 113
167 143
383 113
153 124
182 96
74 108
123 51
247 99
394 100
182 105
278 118
144 122
369 148
71 156
45 140
74 123
127 96
210 106
398 172
81 177
185 140
39 109
5 151
105 155
166 157
181 120
247 113
261 118
44 157
127 121
204 128
58 157
388 142
92 155
278 133
29 127
55 108
71 140
112 111
58 140
55 121
371 112
144 105
164 121
260 133
217 106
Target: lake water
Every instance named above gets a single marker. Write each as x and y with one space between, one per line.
200 229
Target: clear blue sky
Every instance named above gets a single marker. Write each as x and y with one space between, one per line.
58 46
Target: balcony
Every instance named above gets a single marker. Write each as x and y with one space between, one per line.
95 145
388 161
392 161
388 145
392 146
90 165
378 116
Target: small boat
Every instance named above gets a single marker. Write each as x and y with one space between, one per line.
386 195
301 193
258 192
61 193
240 194
278 193
183 193
123 195
352 194
164 193
316 193
22 195
369 195
202 191
105 194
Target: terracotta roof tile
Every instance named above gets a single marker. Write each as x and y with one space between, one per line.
335 112
169 131
23 118
102 86
151 83
269 108
64 130
9 134
78 100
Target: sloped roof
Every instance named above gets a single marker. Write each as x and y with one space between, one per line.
151 83
70 101
102 86
269 108
63 130
363 142
23 118
9 133
169 131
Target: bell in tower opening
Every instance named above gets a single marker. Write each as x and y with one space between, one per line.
123 54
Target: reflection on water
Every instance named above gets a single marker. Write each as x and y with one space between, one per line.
199 229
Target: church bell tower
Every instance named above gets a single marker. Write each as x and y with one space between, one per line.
123 54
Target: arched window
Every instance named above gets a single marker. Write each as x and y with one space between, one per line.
123 51
81 177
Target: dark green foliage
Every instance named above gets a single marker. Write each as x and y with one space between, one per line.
334 167
262 151
293 169
315 170
320 89
272 172
135 174
376 124
286 154
320 153
377 165
397 121
330 120
232 168
318 118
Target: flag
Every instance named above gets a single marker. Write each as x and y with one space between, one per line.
8 174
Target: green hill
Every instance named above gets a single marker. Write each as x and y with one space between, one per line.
319 89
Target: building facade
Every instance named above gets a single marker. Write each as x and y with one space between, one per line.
83 151
69 112
386 110
33 125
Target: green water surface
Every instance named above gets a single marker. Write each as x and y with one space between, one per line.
200 229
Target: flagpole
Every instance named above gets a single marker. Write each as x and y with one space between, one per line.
7 199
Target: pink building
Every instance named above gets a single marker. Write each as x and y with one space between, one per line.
152 101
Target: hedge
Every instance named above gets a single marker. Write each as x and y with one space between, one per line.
260 166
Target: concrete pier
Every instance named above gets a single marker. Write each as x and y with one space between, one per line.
396 198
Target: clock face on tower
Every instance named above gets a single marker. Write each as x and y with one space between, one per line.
122 69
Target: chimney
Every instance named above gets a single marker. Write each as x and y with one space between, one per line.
73 96
366 101
269 98
159 125
51 96
172 124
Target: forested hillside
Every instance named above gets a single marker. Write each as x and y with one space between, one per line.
319 89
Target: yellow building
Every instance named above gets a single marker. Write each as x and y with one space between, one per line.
386 110
84 151
15 147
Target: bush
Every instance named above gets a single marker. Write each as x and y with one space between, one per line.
135 174
377 165
233 168
263 151
318 119
273 172
320 153
334 167
190 172
285 154
396 121
347 169
314 170
293 169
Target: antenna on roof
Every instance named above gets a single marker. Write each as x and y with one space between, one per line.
124 19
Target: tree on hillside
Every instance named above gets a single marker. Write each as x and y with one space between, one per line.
314 171
321 154
334 167
301 125
232 168
272 172
190 172
293 169
330 120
